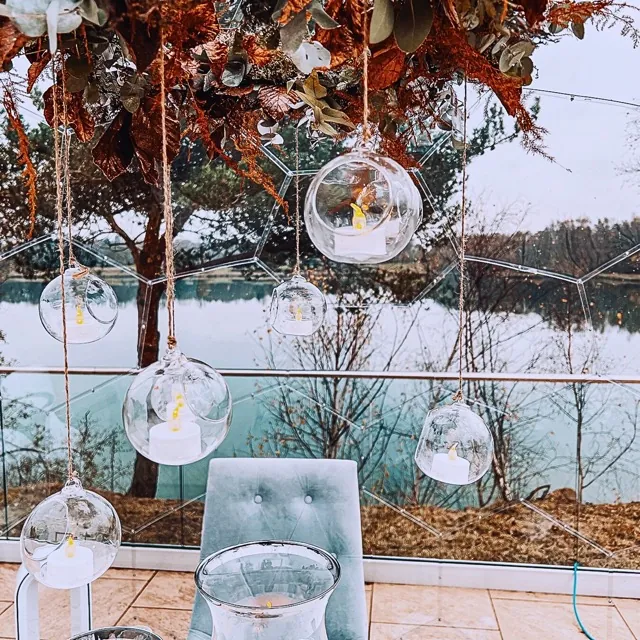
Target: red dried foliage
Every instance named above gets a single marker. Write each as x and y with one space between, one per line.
11 41
36 68
29 173
192 26
342 43
247 142
564 14
533 10
78 118
292 8
386 67
449 46
114 151
257 55
276 101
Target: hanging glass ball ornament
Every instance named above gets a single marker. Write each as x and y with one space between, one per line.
297 307
455 445
91 306
177 410
71 538
362 208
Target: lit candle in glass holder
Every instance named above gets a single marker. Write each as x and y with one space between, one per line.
449 467
357 239
70 563
180 436
297 325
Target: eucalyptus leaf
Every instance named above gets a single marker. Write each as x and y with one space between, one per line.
322 18
499 45
578 30
78 70
90 11
233 73
555 28
526 65
413 23
382 20
293 33
278 9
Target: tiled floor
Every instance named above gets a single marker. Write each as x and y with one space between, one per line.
162 601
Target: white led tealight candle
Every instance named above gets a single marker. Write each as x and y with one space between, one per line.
180 437
70 564
449 467
358 240
268 600
298 326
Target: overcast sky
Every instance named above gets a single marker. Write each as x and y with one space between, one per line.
588 138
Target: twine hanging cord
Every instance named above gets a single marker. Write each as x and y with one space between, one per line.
61 159
459 395
297 267
167 206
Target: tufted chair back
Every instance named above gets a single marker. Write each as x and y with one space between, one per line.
312 501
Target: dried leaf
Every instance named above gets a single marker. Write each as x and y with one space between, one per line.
276 101
413 23
194 25
322 18
78 118
293 33
357 12
143 41
382 20
290 10
36 68
386 68
257 55
449 7
114 152
578 30
534 10
29 173
146 135
11 41
312 87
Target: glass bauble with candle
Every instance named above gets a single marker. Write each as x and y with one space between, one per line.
91 306
297 307
362 208
71 538
177 410
455 446
268 590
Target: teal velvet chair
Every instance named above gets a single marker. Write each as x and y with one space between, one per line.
312 501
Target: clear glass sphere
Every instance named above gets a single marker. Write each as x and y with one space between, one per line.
118 633
177 410
297 307
71 538
91 306
362 208
455 445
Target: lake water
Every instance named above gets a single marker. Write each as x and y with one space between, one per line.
225 324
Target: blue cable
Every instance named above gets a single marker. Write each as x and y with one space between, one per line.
575 604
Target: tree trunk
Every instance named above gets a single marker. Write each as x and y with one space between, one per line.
149 265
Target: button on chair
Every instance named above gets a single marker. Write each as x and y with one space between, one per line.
311 501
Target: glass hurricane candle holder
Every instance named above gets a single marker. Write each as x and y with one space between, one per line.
268 590
455 446
362 208
91 306
297 307
177 410
71 538
118 633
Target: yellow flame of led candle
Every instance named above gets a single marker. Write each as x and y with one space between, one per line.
299 314
269 604
452 452
359 220
70 548
79 314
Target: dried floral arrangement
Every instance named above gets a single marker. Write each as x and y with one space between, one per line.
238 68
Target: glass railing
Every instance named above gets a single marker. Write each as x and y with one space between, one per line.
563 486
